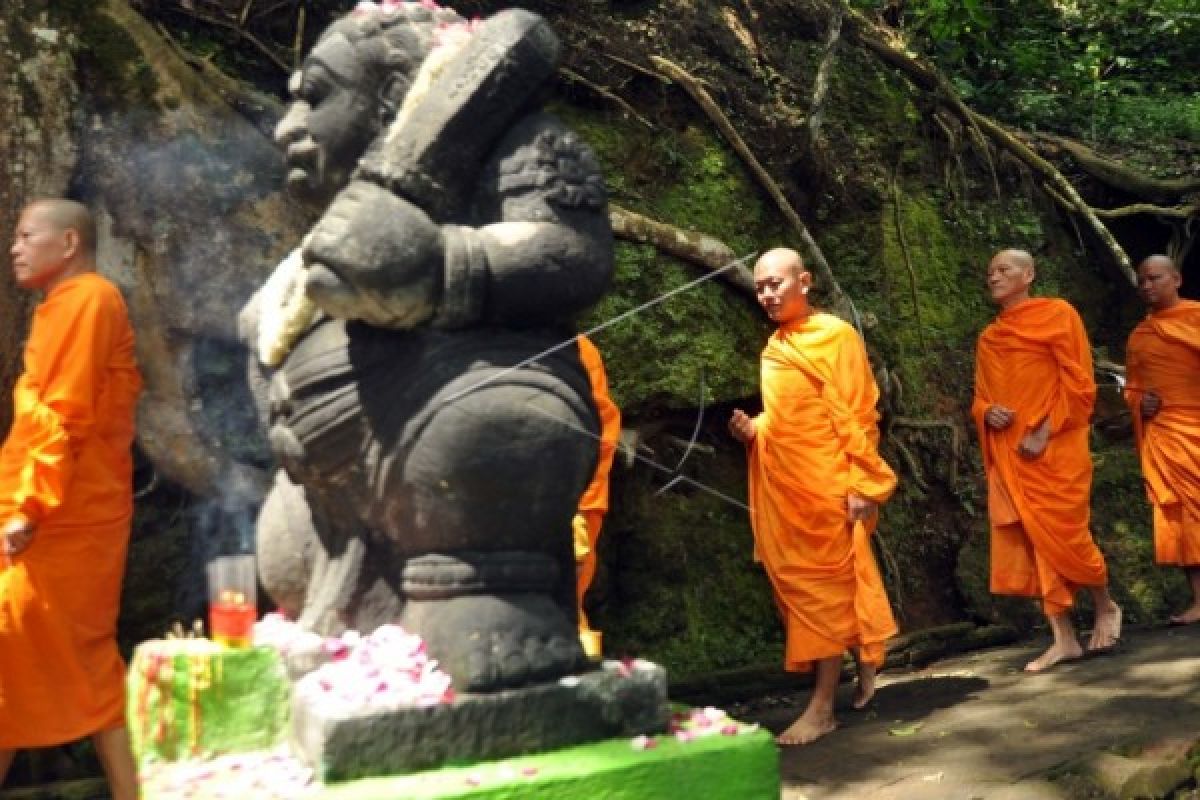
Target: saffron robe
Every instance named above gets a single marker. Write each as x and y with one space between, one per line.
1163 356
593 504
1034 358
816 442
66 466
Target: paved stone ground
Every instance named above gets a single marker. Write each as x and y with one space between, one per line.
975 726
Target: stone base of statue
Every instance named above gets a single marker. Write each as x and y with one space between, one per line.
616 700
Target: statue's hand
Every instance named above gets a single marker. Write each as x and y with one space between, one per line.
375 257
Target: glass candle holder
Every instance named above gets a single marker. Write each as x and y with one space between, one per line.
232 593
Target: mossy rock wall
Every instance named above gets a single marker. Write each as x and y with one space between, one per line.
908 213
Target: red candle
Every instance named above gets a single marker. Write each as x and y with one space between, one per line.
231 619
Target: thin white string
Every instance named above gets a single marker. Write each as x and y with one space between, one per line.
606 324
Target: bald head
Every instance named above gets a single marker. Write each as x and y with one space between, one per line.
1158 282
780 257
68 215
55 240
1159 262
781 285
1010 274
1021 258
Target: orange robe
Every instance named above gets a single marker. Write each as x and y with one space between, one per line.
66 466
1163 355
593 505
817 441
1034 358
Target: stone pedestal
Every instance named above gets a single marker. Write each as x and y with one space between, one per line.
616 700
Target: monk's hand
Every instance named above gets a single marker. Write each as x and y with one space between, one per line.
741 426
16 535
1151 403
999 417
1033 444
859 509
375 257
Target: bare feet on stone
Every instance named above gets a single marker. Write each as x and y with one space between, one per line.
1187 617
864 690
1106 631
810 726
1056 654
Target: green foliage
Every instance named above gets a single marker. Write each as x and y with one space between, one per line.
1090 64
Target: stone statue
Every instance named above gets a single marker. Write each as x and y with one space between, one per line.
431 458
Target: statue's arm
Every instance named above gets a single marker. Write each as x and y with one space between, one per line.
535 244
549 252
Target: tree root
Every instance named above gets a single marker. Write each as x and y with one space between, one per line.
607 94
1118 176
697 248
928 77
824 74
236 28
912 275
840 302
956 437
1173 212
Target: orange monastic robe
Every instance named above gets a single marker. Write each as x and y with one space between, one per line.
815 442
1035 359
66 465
1163 355
593 505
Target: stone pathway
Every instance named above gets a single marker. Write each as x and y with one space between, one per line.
975 726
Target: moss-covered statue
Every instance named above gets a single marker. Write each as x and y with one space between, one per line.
431 457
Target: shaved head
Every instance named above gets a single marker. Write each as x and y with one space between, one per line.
67 215
1010 273
781 284
1158 282
1021 258
782 257
1160 261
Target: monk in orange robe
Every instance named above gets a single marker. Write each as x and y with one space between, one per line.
816 481
1034 392
66 501
593 505
1163 392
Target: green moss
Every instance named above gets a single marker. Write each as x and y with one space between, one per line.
708 336
113 69
662 357
678 584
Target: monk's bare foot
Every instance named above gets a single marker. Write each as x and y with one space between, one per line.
864 690
810 726
1188 617
1056 654
1106 631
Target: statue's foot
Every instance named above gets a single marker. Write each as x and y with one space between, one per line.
490 620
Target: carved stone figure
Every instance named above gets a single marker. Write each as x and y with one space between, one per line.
432 451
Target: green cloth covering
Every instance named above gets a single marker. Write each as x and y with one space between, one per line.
190 698
741 767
